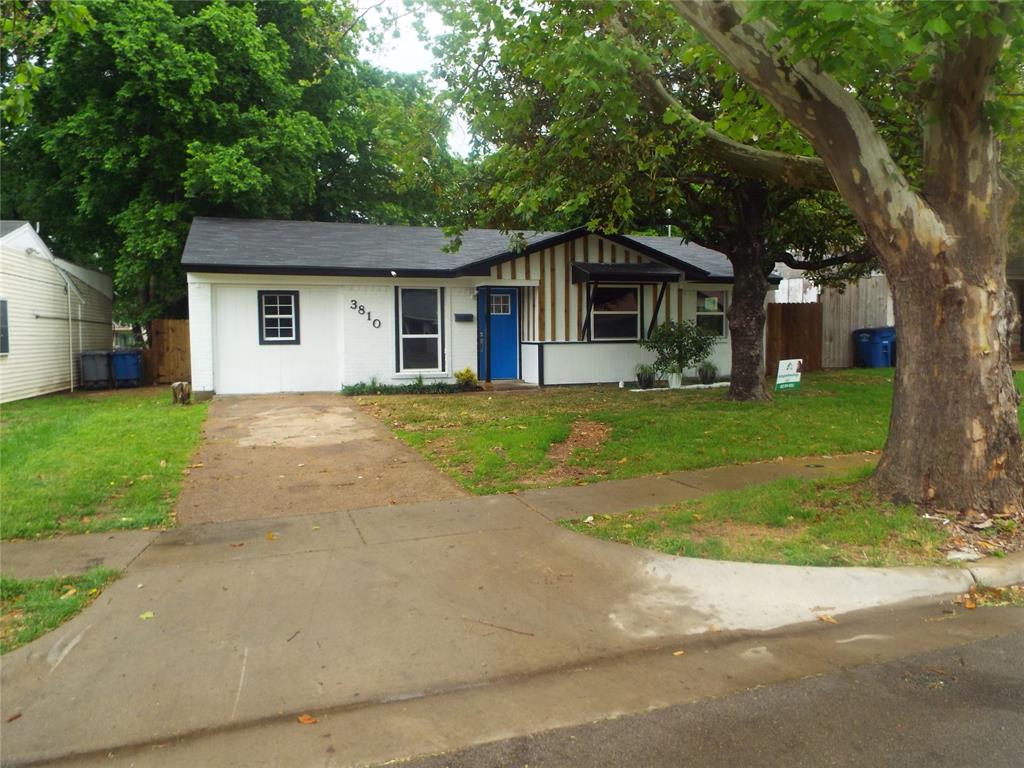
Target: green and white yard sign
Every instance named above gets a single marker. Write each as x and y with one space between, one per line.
789 374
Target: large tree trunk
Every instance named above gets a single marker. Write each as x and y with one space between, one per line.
954 438
743 228
746 326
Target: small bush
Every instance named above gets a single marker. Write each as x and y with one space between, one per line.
679 346
466 379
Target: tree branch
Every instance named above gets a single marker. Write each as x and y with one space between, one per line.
862 256
743 159
831 118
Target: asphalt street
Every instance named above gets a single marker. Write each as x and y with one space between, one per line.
958 707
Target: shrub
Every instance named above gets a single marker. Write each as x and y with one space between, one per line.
466 379
417 387
679 346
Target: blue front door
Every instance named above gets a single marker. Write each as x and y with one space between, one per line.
498 332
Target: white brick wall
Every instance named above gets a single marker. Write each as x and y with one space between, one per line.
338 344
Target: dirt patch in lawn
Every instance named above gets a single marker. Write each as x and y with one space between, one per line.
584 436
739 535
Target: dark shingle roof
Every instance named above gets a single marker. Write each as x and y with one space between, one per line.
310 247
323 247
9 225
713 262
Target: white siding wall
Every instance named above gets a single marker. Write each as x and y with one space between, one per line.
37 310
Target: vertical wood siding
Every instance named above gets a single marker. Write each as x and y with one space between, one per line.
555 310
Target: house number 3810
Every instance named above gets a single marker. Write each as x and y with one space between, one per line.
363 311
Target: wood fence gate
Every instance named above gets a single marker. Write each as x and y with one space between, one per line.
168 357
793 331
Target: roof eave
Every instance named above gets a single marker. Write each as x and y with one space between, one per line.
250 269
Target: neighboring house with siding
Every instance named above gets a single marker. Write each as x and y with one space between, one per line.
50 310
285 306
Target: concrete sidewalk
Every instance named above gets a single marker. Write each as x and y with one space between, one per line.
259 620
72 555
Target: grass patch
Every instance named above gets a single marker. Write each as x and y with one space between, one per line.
33 607
73 464
495 442
836 521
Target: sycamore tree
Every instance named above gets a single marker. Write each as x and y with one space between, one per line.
935 209
155 112
583 126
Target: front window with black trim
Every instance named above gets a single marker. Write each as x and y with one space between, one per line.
420 329
279 317
711 312
616 312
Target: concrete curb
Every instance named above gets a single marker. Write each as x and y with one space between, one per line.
998 571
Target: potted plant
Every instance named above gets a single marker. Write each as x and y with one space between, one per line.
645 376
707 372
678 346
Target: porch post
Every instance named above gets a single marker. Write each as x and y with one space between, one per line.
487 334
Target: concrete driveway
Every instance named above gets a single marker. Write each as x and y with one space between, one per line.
269 456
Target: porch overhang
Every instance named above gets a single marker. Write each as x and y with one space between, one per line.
594 272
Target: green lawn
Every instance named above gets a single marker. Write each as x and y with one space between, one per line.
31 608
837 521
72 464
498 442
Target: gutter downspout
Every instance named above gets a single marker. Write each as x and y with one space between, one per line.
71 343
68 288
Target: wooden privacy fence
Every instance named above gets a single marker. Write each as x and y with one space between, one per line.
866 303
793 331
168 357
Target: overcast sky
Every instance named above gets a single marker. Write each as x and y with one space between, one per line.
407 53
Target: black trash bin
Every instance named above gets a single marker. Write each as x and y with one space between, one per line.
94 369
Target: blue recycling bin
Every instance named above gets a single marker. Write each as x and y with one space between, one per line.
875 347
126 367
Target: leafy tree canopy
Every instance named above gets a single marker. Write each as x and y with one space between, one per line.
160 111
573 130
